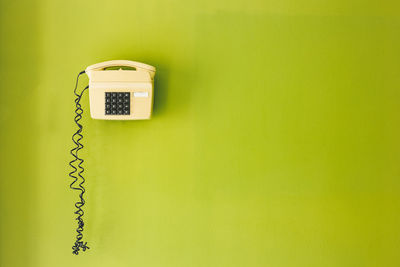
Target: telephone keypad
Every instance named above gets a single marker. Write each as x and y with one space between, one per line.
117 103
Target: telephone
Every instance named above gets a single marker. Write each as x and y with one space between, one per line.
115 93
121 94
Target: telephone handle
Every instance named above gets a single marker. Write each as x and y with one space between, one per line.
125 63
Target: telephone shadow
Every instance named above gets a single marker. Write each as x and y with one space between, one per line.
160 90
172 91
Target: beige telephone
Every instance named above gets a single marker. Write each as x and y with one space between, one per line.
114 94
121 94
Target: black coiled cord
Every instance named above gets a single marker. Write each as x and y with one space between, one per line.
77 171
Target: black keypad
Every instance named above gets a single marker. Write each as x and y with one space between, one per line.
118 103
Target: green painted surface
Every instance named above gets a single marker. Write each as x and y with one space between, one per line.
274 140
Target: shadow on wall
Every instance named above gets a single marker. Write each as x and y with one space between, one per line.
19 47
160 89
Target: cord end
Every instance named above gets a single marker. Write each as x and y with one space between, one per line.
79 245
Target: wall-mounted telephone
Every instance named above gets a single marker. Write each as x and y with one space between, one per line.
121 94
115 93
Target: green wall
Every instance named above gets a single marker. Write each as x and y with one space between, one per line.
274 141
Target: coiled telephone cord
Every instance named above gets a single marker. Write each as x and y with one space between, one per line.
77 172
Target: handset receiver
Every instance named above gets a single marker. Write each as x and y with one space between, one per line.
126 63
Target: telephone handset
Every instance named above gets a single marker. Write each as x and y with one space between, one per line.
114 94
122 63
